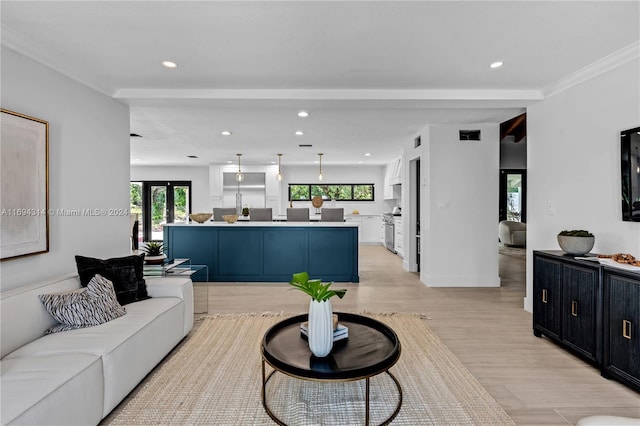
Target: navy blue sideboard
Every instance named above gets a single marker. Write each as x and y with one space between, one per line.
271 252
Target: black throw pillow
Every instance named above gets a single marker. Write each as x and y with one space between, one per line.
126 274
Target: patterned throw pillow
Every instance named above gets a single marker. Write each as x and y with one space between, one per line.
126 274
85 307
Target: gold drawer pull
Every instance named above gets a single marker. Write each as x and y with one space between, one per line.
574 308
544 295
626 329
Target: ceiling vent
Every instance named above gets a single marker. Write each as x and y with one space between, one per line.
134 135
469 135
303 145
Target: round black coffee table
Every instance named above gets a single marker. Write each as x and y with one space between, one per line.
371 348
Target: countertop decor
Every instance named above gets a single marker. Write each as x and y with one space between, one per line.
576 242
200 217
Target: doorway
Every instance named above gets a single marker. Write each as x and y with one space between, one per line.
513 195
414 214
158 203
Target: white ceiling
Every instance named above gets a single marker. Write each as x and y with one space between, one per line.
371 73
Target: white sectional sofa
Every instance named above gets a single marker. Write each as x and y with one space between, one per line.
77 377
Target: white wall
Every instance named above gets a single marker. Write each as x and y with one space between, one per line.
338 174
199 177
459 206
574 164
88 167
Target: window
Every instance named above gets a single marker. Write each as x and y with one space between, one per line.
157 203
338 192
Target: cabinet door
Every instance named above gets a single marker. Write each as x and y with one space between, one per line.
546 293
579 309
622 327
371 229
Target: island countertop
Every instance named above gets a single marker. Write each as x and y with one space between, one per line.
248 223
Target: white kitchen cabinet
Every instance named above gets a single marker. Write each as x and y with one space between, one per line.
371 229
397 236
392 179
215 186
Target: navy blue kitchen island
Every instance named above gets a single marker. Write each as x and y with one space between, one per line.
267 251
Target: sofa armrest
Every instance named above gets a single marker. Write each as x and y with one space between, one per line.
180 287
169 286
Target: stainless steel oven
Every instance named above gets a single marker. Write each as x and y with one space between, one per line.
389 231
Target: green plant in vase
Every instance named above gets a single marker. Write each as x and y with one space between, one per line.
320 329
576 242
154 252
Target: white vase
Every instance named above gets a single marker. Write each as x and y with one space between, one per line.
320 332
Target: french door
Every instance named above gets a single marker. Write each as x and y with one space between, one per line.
513 195
161 202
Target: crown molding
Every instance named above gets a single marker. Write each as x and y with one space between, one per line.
601 66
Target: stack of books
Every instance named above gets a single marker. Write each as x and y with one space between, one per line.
340 333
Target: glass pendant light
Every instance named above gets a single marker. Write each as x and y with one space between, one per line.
320 173
279 175
239 175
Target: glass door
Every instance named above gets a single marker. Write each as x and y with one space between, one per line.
513 200
163 202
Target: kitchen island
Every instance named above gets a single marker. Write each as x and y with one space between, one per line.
267 251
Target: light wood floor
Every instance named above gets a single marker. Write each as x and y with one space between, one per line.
534 380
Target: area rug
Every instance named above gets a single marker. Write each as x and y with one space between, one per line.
214 378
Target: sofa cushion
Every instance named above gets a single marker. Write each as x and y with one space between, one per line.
126 273
86 307
38 390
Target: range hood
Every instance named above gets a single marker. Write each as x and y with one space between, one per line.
251 181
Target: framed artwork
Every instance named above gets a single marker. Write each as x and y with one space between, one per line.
24 191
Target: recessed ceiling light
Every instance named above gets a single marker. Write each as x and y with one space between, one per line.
136 159
360 162
367 154
229 162
226 133
497 64
169 64
299 133
303 114
273 162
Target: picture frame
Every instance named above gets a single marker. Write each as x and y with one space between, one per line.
24 192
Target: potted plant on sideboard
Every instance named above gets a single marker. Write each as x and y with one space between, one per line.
577 242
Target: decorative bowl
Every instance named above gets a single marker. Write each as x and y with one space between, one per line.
230 218
200 217
576 246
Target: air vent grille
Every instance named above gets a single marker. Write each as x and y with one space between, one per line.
469 135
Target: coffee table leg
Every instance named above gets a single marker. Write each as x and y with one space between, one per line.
366 413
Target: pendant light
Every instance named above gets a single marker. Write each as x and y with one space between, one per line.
637 162
279 174
239 175
320 173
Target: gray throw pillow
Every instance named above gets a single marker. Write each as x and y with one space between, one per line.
93 305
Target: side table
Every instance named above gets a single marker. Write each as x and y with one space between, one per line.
182 267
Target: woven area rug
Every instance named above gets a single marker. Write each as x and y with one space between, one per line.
214 378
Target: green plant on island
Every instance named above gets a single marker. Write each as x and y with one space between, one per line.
576 233
245 211
154 248
315 288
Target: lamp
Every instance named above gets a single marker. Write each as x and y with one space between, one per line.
279 174
239 175
320 173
